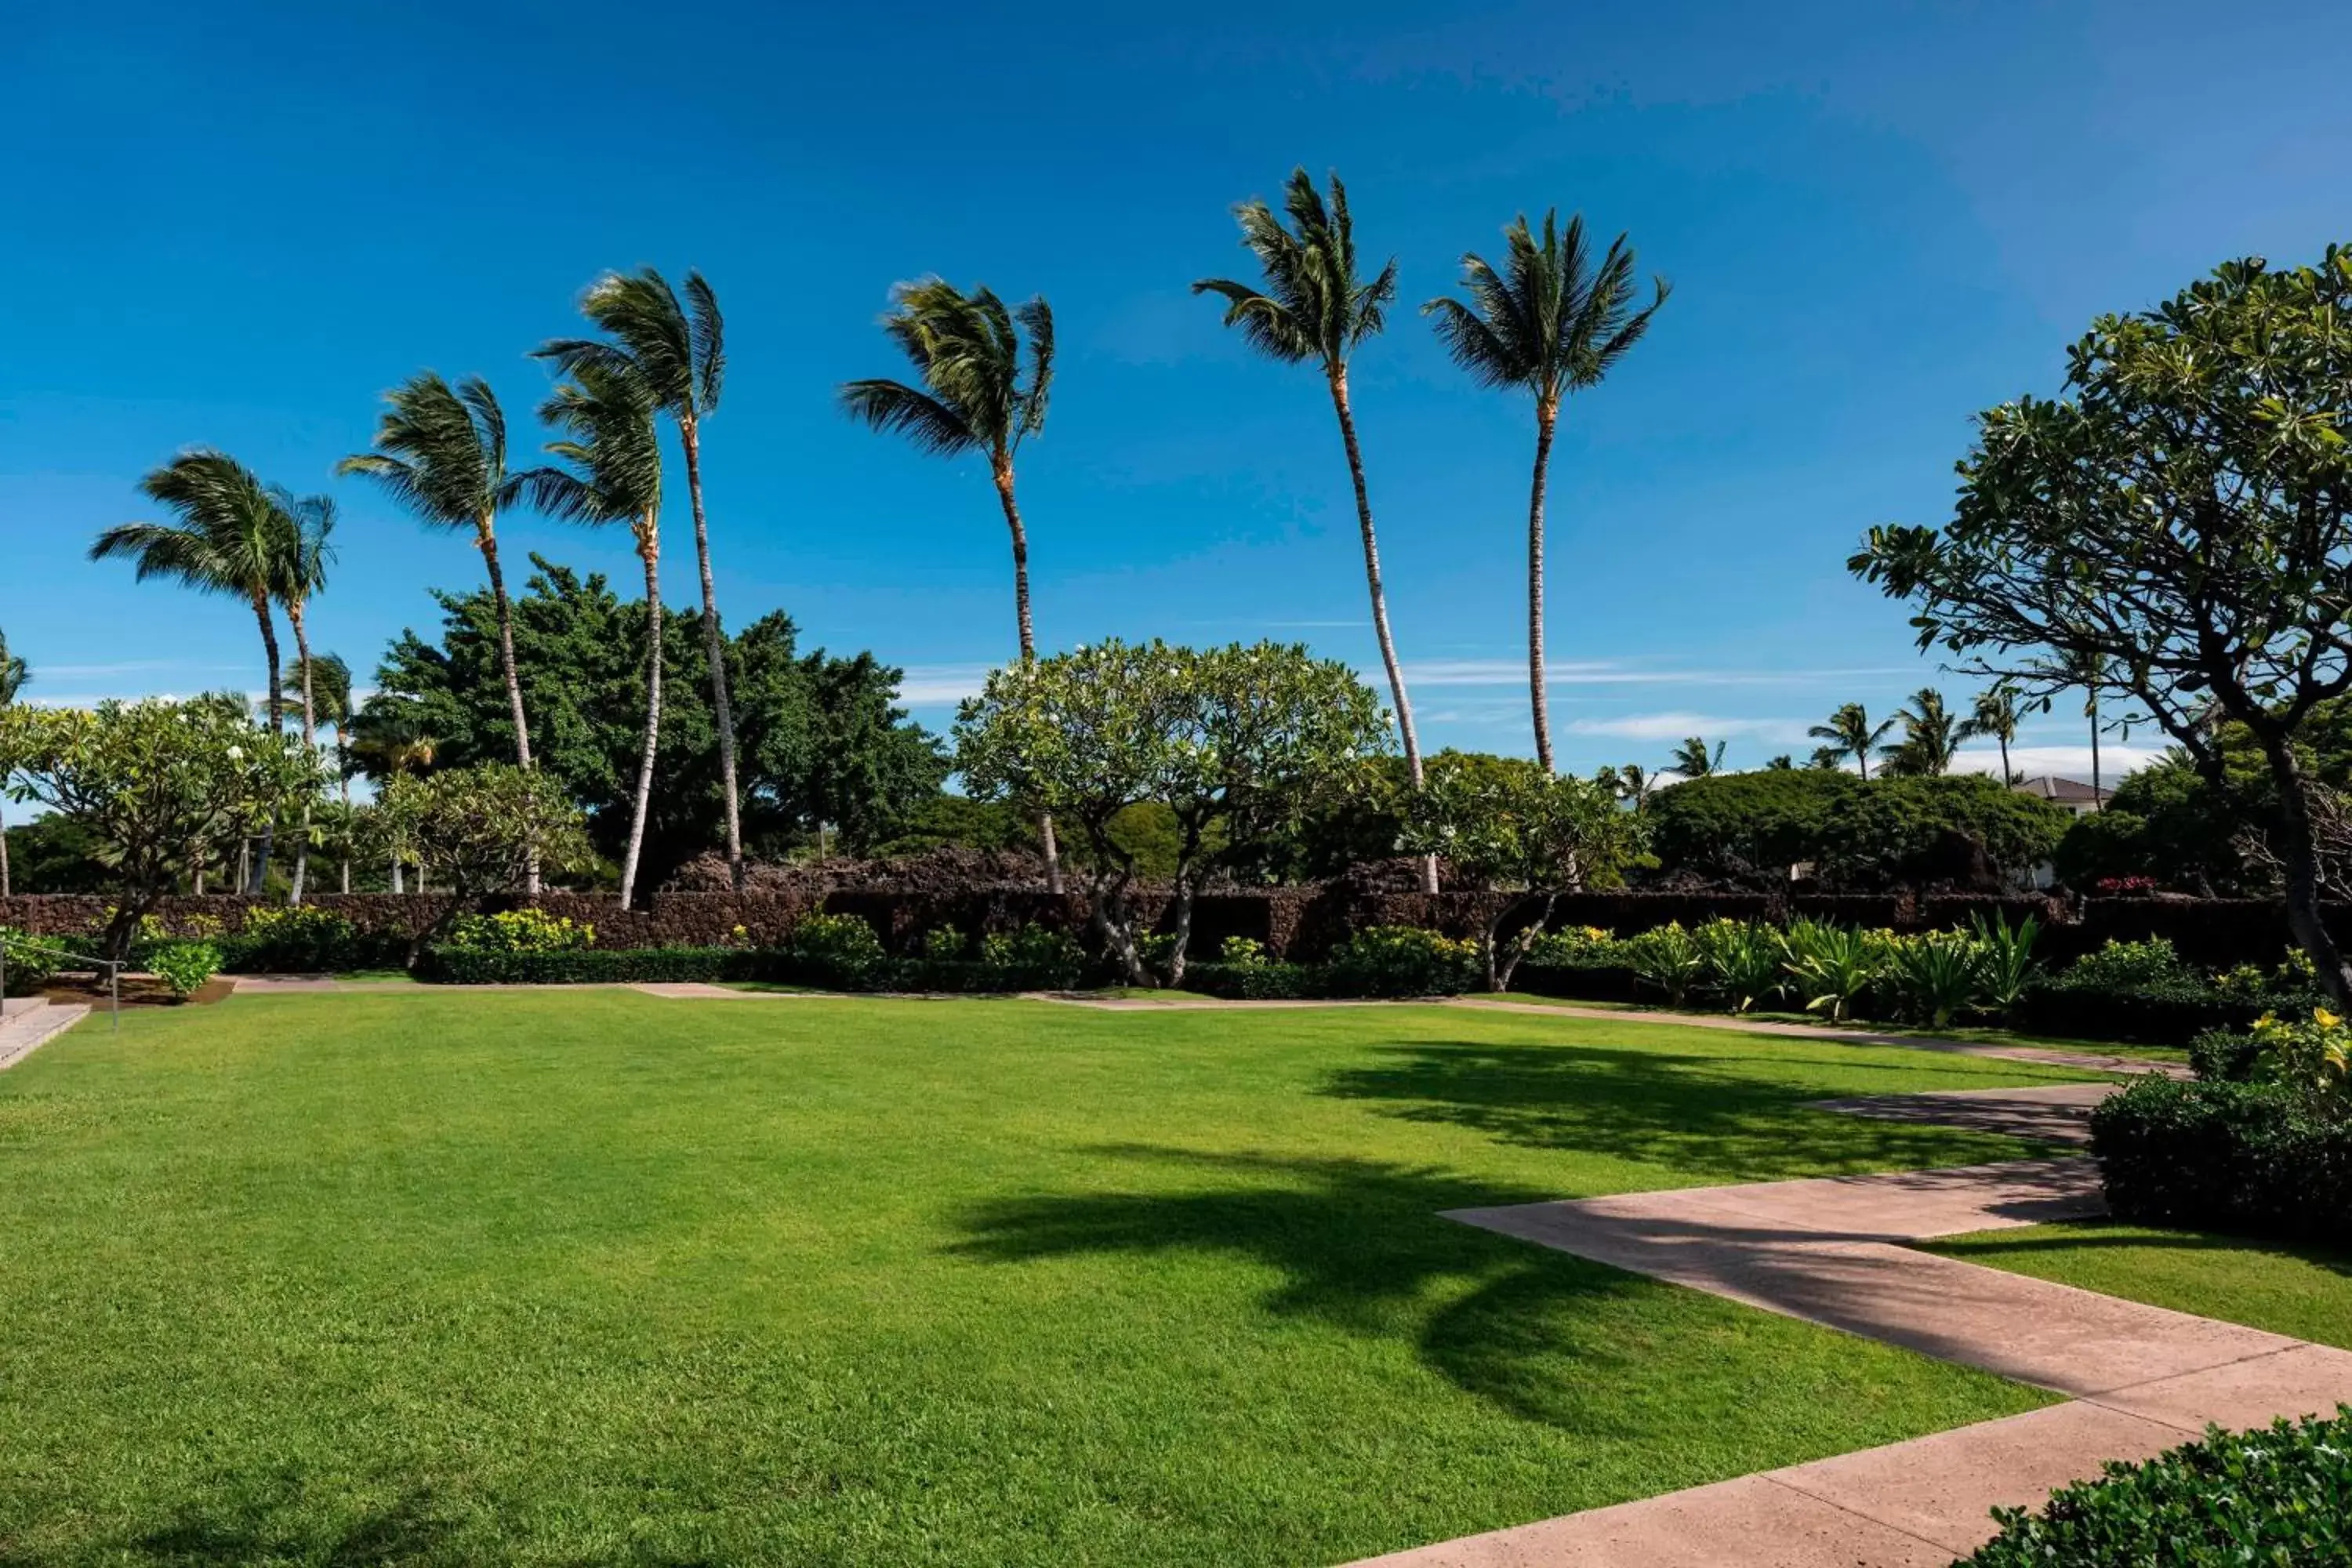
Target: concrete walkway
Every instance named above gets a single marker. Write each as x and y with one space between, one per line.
29 1023
1836 1251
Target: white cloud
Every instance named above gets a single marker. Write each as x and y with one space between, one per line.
939 685
1675 725
2059 762
1557 672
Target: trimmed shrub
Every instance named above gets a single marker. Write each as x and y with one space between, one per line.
2118 966
1578 982
2167 1013
2254 1159
1034 958
183 966
587 966
519 931
1401 960
1260 982
306 939
2281 1495
2225 1056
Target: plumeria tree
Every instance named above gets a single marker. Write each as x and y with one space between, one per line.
481 830
153 782
1526 835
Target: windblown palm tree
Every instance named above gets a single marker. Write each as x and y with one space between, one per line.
234 535
1635 784
441 452
967 352
14 674
314 525
1694 760
1931 735
679 353
1995 716
615 476
1553 324
1850 733
1313 308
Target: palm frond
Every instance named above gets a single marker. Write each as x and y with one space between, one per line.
709 333
894 407
1037 318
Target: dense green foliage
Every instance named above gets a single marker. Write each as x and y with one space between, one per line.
1854 833
820 739
31 961
593 1277
2281 1495
2252 1158
182 967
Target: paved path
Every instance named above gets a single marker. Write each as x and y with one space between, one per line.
1834 1251
24 1028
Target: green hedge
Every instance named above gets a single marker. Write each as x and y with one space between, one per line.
2249 1158
586 967
1257 982
2170 1012
2281 1496
2225 1056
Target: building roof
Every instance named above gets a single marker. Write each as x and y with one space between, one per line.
2065 791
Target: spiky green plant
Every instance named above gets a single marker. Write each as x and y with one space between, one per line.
2005 960
1743 962
1669 958
1551 322
1934 975
678 351
1833 966
1312 307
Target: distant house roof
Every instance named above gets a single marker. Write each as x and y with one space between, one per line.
2064 791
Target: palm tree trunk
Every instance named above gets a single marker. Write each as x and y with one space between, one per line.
1405 730
4 855
1547 416
505 612
1003 470
277 725
309 744
714 645
2005 779
649 551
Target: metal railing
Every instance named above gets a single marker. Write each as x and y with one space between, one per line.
111 967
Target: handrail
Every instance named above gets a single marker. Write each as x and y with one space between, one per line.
114 967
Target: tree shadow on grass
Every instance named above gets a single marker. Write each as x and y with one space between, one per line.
1685 1113
1364 1244
2095 1235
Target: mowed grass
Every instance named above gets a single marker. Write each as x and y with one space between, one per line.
594 1277
2305 1293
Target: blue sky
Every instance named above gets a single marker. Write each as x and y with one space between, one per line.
235 224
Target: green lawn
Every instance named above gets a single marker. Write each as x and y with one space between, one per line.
593 1277
2302 1291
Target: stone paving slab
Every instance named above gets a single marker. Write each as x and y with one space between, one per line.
28 1029
2298 1380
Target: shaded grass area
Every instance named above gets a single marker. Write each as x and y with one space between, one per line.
2305 1293
593 1277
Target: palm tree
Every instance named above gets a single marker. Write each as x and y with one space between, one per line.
1693 761
617 476
441 451
1315 309
679 353
325 682
1995 715
1634 785
15 675
1554 325
388 737
967 352
1848 733
1931 734
234 535
314 524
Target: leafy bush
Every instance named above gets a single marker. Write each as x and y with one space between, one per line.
519 931
2281 1495
1403 961
306 939
1034 958
2120 964
840 950
2169 1013
1737 825
1923 829
1669 958
943 944
1743 962
183 966
1264 980
2225 1056
33 961
1577 947
2312 1055
2256 1159
588 966
1244 953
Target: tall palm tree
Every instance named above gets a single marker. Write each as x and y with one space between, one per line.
1552 324
15 675
967 352
1635 784
1850 733
679 351
441 452
1995 716
1931 735
615 450
314 552
1694 760
1313 308
233 535
325 682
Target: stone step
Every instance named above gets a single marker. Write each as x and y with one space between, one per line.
24 1030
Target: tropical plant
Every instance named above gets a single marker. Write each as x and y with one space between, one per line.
2092 546
183 967
1552 324
1669 958
15 675
442 455
1314 307
1995 717
1931 734
1848 733
678 354
482 829
615 476
1744 962
1834 966
2313 1054
1634 783
1692 759
314 552
234 536
1935 976
980 394
519 931
2005 961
